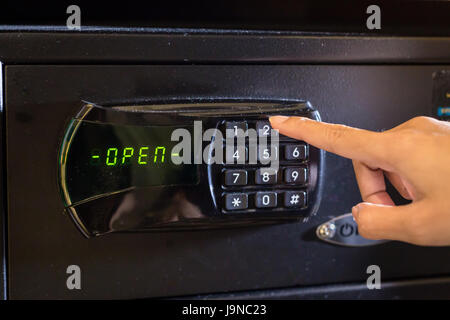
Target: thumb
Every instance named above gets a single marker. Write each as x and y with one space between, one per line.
377 221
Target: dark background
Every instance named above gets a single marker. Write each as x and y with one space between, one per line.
397 17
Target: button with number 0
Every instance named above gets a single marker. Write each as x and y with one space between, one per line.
266 200
235 177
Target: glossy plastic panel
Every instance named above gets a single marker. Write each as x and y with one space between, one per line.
101 205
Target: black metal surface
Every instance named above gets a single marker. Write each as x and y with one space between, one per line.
41 99
187 46
402 17
416 289
2 194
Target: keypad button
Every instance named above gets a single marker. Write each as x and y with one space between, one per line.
295 175
235 127
295 199
267 154
266 176
266 199
295 152
236 155
235 177
236 201
264 129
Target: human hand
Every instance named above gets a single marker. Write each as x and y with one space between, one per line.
414 156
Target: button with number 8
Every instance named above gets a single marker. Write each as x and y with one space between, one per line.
266 176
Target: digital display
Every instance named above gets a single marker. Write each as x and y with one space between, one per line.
105 158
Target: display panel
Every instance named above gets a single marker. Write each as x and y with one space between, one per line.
103 158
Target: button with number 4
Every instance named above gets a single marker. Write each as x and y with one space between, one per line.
266 176
295 152
235 177
235 155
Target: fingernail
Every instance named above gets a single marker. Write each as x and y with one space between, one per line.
275 121
355 212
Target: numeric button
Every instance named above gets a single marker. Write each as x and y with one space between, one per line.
236 201
236 127
264 129
235 177
267 154
266 176
235 155
295 152
295 175
266 200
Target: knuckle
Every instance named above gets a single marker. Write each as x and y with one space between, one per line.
406 138
420 121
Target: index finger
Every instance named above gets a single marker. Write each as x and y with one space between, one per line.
358 144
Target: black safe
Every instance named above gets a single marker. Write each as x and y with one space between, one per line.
174 165
252 250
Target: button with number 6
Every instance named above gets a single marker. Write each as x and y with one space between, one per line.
295 152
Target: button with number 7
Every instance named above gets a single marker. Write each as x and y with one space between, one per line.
235 177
